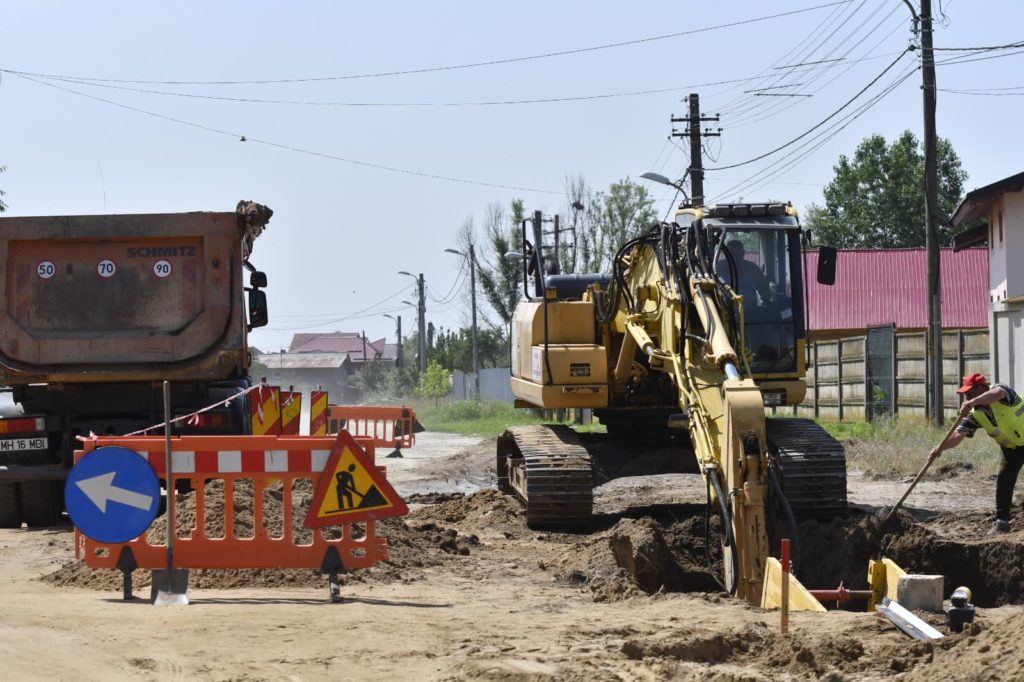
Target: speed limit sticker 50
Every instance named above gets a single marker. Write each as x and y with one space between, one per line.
162 268
46 269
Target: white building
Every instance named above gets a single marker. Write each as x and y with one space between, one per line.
1001 206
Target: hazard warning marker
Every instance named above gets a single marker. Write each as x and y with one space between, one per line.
352 489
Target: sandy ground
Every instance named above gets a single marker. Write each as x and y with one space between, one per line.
514 608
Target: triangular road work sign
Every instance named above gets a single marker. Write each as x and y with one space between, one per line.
352 489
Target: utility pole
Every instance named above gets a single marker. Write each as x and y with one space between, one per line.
694 133
401 349
931 210
422 310
472 297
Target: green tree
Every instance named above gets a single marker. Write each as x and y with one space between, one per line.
876 200
501 278
607 221
435 382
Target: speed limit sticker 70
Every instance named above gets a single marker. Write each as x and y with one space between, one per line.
46 269
162 268
106 268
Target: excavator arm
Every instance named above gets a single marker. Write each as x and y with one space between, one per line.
682 320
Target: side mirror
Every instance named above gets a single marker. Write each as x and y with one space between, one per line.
827 256
258 279
257 309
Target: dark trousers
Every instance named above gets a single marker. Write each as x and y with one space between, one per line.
1009 468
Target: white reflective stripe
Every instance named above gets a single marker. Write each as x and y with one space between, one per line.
229 461
319 459
144 455
183 462
275 460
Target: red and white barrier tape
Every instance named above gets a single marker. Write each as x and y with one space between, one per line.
193 416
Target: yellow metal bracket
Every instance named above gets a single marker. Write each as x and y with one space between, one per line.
771 596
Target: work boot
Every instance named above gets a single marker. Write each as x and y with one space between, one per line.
1001 526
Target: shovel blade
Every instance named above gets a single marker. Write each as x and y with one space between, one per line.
170 587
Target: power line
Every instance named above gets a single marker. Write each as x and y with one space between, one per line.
986 93
987 48
767 174
328 103
452 292
355 315
299 150
433 69
817 125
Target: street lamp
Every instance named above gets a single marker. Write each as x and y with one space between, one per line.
472 289
421 310
398 333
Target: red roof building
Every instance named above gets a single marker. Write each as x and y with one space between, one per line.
877 287
358 348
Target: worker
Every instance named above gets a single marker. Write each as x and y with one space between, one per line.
752 282
1000 411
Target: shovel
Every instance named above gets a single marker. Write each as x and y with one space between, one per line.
883 515
170 585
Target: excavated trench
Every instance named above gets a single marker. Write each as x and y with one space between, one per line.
662 549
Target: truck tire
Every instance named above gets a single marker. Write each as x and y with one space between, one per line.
10 508
42 503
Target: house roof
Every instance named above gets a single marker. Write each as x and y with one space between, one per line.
886 286
977 202
338 342
302 360
390 352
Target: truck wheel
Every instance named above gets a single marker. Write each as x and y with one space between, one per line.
10 509
42 503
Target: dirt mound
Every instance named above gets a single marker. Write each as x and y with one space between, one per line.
760 647
637 556
411 547
982 652
483 509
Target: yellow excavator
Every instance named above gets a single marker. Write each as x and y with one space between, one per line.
698 328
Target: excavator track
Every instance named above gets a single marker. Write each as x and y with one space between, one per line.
550 472
813 465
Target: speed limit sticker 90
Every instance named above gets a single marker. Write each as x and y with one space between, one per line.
162 268
46 269
106 268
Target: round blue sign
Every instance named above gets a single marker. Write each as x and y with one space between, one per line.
112 494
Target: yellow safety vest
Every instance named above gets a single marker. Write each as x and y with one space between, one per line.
1008 428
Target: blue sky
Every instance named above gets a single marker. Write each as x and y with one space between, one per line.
341 231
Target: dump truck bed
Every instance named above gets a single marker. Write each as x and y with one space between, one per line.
122 297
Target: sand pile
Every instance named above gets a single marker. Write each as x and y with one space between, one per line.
412 546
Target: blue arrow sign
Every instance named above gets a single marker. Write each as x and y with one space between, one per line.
112 494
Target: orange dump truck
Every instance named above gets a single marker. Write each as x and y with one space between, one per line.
97 311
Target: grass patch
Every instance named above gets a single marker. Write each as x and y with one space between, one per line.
486 419
891 448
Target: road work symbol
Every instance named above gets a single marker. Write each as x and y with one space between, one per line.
352 489
112 494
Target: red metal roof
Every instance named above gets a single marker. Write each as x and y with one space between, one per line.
885 286
337 342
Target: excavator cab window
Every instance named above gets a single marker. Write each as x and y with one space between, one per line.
766 273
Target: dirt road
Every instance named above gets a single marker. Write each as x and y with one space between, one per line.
471 593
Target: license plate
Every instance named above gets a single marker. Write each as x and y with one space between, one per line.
24 444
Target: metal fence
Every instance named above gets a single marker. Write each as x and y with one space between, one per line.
885 373
494 385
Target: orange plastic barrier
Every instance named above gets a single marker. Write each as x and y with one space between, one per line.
265 409
291 410
318 413
268 466
389 427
